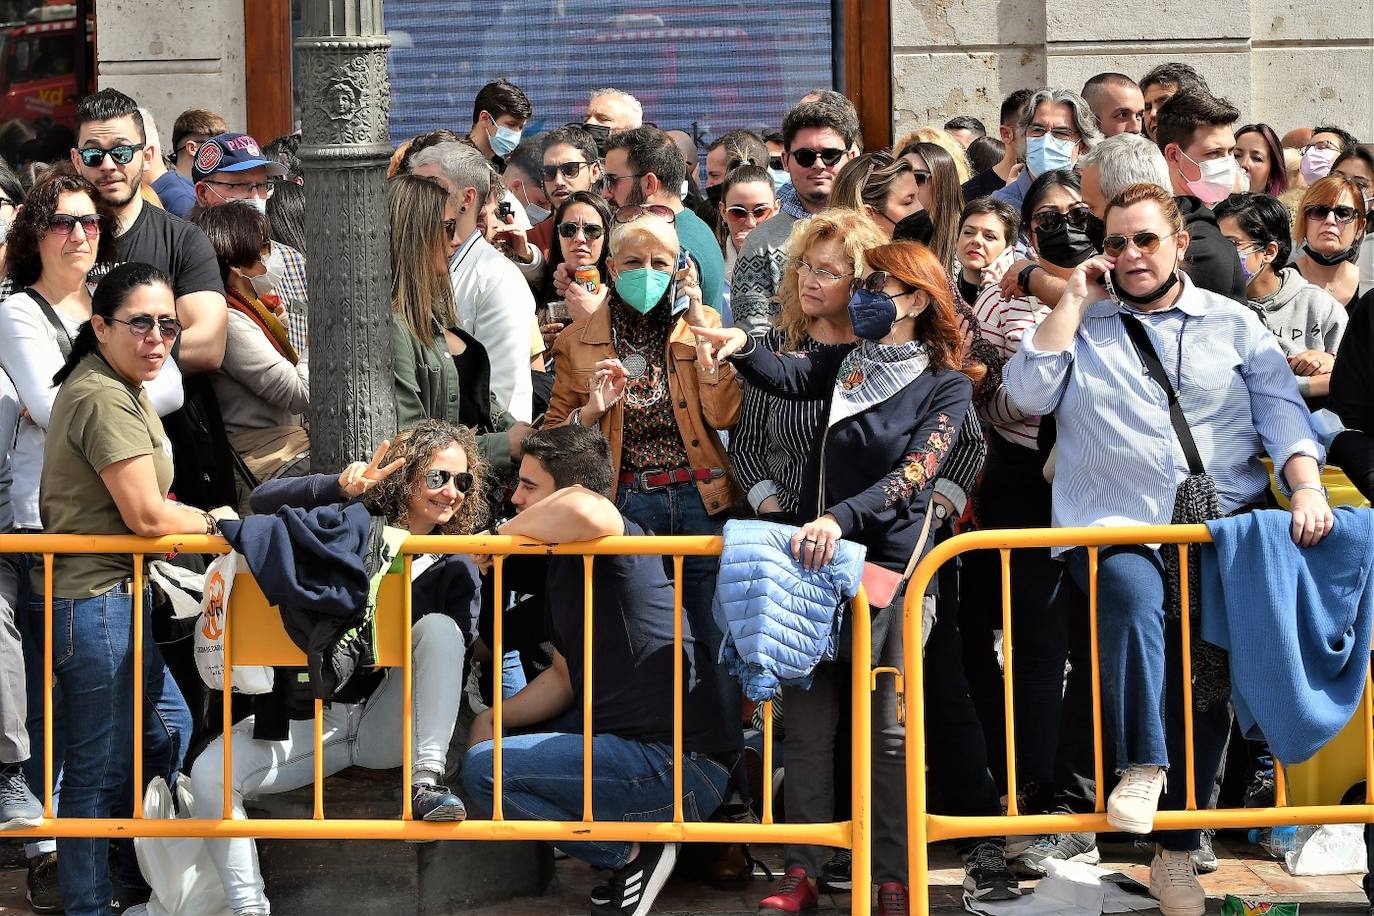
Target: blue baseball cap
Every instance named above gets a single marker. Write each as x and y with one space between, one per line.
231 153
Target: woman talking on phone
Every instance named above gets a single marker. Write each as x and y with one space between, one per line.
1122 458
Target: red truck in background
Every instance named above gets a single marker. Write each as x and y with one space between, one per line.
42 58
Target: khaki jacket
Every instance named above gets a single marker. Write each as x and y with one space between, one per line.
703 402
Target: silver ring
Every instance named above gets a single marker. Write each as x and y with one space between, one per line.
809 540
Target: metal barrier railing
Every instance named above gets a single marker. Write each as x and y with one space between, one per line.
927 828
240 649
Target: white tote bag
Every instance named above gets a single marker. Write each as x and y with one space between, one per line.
178 869
209 636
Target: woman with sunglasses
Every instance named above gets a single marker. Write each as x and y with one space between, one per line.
440 371
1120 462
747 200
107 469
582 222
429 481
895 400
940 193
1307 322
888 190
263 384
1332 220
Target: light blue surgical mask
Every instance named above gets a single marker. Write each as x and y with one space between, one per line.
1048 154
503 139
780 178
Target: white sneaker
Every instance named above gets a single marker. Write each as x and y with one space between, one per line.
1174 883
1135 799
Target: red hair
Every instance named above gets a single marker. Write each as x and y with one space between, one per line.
937 327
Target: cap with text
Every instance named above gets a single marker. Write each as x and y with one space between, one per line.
231 153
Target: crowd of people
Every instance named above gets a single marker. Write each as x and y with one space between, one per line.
1071 321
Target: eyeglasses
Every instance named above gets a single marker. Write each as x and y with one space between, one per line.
1052 220
93 156
612 180
1326 145
806 157
775 163
6 201
820 275
591 230
438 479
630 214
142 325
265 188
64 223
569 170
874 283
760 211
1060 133
922 177
1343 214
1145 242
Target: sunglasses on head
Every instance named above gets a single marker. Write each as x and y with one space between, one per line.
806 157
1052 220
438 479
64 223
630 214
92 156
758 212
1145 242
591 230
1343 214
570 170
142 325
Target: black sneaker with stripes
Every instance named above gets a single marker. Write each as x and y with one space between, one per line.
632 889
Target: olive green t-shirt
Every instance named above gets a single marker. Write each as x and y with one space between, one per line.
97 419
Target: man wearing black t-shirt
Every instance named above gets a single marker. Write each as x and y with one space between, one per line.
564 477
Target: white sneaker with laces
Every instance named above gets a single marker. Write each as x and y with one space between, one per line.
1135 799
1174 883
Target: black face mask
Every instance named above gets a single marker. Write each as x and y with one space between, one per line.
713 193
1153 295
1331 260
916 227
1065 246
602 135
1097 231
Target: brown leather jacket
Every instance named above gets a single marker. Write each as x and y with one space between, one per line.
702 402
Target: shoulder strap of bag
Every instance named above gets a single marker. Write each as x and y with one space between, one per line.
64 339
1136 331
920 543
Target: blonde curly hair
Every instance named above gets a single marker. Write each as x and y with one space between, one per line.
416 446
856 232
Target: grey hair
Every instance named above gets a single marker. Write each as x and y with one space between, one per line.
624 96
461 164
1083 120
1124 160
150 137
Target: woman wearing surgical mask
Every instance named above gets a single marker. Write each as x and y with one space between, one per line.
630 369
263 385
1320 153
1130 308
1306 320
1332 219
895 401
1260 155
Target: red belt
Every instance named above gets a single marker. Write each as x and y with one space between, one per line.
656 480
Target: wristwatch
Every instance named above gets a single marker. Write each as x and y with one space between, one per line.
1309 486
1024 277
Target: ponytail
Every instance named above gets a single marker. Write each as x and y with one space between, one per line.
112 292
83 346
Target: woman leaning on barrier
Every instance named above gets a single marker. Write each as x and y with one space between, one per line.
107 467
1093 363
430 481
896 402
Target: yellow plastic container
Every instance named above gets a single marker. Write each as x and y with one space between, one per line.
1340 491
1334 769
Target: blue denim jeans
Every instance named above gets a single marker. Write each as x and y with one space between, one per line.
631 781
678 510
1142 691
93 726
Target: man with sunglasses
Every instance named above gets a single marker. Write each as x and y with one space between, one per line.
231 169
645 167
1193 130
818 139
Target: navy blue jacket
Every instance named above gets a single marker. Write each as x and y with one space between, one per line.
880 463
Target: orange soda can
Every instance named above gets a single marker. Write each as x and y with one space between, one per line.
589 278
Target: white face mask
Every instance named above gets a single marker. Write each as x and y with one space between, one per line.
257 203
536 213
265 284
1216 179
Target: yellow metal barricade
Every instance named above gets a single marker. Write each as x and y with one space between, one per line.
925 827
253 635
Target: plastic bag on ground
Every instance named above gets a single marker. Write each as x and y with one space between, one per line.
178 869
1334 849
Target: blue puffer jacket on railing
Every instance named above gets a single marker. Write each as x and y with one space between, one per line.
779 619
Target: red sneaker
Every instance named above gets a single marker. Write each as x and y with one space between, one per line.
892 899
794 893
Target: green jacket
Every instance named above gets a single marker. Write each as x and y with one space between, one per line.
432 385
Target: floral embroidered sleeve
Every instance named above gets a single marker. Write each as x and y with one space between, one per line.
911 481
